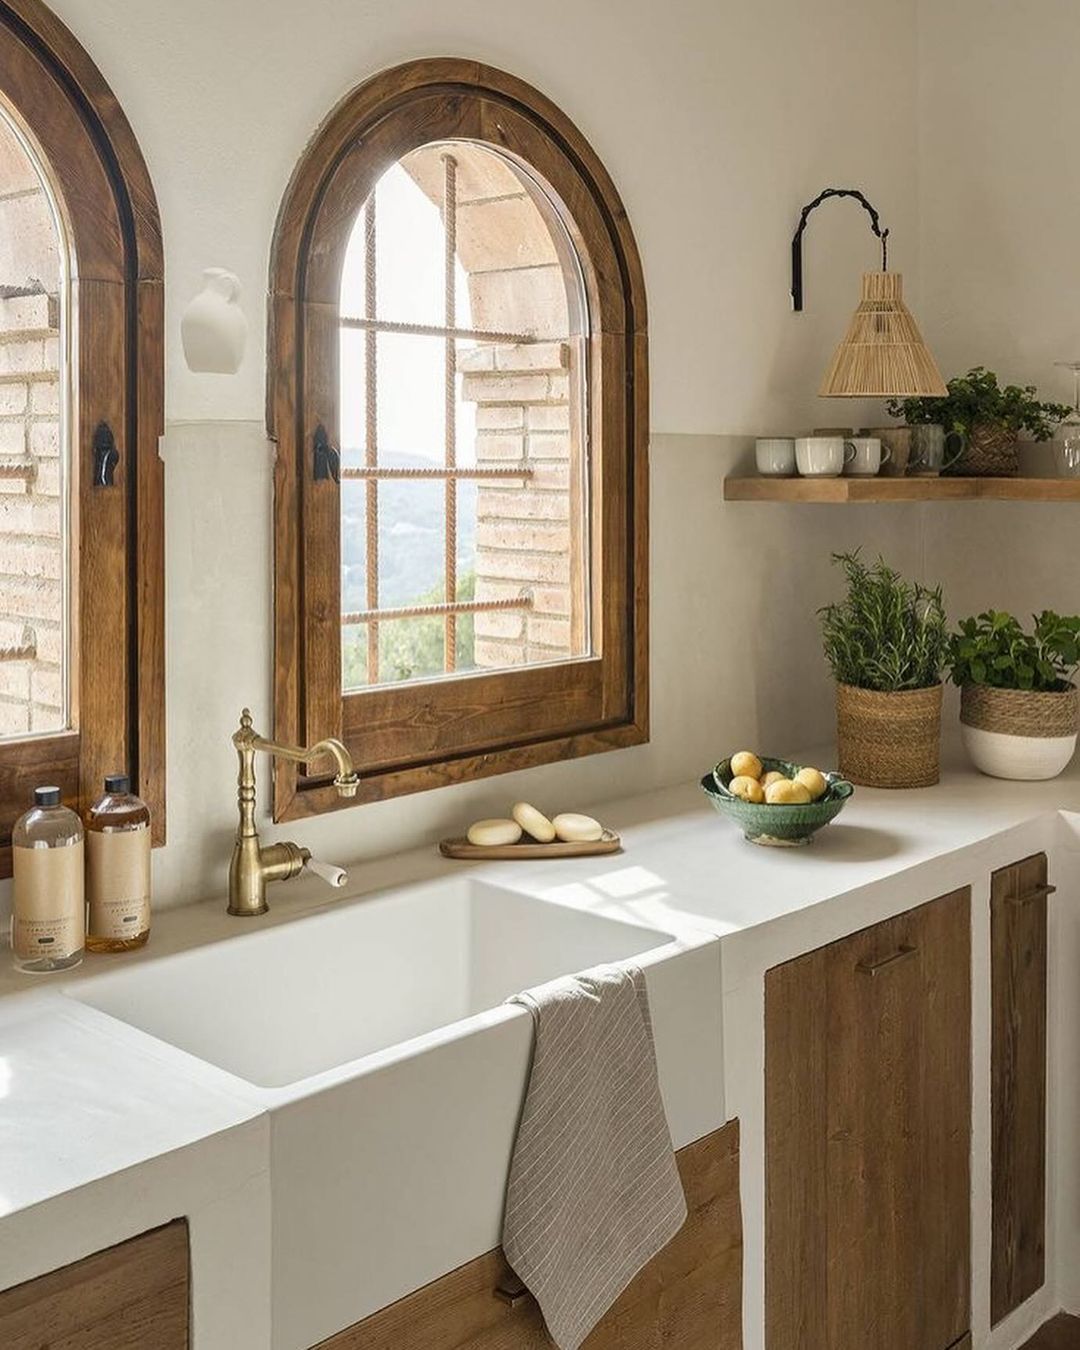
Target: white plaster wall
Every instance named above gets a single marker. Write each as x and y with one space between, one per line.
735 650
1000 204
998 228
717 119
999 189
717 122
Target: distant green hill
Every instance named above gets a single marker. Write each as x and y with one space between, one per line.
411 536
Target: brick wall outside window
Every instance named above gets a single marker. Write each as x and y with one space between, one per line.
31 551
528 530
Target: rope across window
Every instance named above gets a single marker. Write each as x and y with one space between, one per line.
450 472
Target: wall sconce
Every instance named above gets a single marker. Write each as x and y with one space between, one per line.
882 354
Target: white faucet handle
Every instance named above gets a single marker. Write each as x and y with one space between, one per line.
333 876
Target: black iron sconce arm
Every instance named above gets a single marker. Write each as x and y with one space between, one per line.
796 242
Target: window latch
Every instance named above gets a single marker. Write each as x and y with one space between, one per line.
327 458
106 456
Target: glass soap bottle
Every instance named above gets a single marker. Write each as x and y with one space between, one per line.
48 922
117 869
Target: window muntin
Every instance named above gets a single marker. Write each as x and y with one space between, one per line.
464 492
37 563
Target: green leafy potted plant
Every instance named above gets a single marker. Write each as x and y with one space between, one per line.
1018 704
885 643
988 419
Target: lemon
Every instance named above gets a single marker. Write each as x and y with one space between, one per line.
773 776
787 792
747 788
745 765
814 782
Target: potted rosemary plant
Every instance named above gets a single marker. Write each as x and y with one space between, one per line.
988 419
1018 704
885 643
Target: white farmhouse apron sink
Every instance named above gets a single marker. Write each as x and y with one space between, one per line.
286 1003
376 1035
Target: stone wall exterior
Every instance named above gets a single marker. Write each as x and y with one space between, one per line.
528 530
31 546
524 543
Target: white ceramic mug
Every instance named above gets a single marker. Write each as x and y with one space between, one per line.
775 456
868 458
823 456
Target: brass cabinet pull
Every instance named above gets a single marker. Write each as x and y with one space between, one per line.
511 1291
873 967
1036 893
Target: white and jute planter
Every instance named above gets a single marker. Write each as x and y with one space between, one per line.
1013 733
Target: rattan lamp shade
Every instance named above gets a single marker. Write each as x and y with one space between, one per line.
882 354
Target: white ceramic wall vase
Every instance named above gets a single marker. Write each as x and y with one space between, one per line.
213 328
1011 733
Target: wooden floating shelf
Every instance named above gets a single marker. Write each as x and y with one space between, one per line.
755 488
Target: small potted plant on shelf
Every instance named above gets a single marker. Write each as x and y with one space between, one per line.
1018 704
987 418
886 643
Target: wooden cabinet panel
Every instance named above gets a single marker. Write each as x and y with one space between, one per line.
689 1297
131 1297
1018 907
1060 1333
796 1131
868 1129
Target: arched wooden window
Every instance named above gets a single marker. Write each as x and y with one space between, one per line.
457 385
81 410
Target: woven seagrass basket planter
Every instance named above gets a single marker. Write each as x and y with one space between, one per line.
990 450
889 740
1014 733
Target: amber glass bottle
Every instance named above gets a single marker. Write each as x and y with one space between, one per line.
117 870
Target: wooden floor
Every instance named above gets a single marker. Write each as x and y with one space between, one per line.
1060 1333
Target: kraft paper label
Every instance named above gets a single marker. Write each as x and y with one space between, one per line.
48 918
118 882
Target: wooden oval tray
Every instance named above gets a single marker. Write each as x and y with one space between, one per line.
609 842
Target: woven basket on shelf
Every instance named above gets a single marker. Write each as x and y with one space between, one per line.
889 740
990 450
1019 712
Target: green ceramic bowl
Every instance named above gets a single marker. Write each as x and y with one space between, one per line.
779 826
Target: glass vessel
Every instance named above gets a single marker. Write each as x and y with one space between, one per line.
1068 435
48 924
118 869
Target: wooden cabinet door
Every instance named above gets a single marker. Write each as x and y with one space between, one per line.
689 1297
868 1129
1018 914
134 1296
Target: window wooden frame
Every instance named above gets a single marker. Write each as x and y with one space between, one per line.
410 737
117 303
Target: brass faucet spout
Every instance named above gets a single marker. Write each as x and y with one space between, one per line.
253 865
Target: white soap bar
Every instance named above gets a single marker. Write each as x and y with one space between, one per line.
533 822
490 833
572 828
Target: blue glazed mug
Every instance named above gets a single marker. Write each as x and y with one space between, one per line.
929 450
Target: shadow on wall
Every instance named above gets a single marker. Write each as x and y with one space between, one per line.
786 574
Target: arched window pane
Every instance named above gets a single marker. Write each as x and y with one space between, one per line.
35 582
463 502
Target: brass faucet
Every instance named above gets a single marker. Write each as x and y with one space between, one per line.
253 865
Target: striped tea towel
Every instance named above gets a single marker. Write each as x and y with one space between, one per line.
594 1190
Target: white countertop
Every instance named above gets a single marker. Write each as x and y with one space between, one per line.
83 1097
684 863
